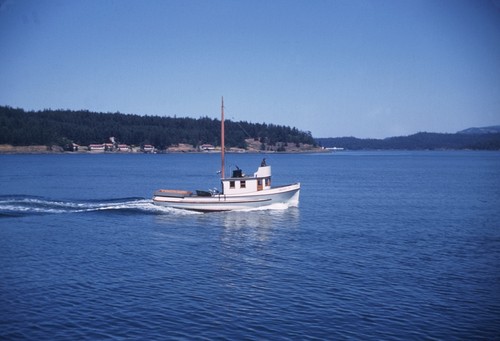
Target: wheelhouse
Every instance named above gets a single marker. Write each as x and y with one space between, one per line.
239 183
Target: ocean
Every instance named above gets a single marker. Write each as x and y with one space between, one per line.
387 245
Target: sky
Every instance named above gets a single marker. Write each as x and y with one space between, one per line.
363 68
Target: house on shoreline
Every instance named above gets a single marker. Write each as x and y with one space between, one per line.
123 148
97 148
207 147
148 148
114 148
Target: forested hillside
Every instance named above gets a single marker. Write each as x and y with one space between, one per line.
62 127
419 141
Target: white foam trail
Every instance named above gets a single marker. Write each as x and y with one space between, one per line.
34 205
13 208
145 205
27 205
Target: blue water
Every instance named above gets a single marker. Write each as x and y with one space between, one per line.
384 245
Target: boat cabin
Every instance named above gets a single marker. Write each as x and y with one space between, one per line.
239 183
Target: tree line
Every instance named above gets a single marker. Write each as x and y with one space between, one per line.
64 127
419 141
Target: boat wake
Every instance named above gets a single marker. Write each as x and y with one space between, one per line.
22 205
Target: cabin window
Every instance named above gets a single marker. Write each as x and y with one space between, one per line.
243 184
268 182
231 184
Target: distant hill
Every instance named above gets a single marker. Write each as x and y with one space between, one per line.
419 141
482 130
64 127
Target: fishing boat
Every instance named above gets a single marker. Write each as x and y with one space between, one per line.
238 191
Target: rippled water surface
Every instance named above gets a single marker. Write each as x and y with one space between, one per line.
384 245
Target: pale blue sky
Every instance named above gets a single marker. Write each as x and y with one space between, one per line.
336 68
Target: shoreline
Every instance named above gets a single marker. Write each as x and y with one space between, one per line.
41 149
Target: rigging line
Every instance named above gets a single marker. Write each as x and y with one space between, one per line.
238 123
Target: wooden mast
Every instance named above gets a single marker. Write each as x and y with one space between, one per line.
222 151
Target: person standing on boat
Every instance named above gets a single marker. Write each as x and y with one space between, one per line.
263 163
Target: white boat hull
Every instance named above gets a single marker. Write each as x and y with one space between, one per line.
288 195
